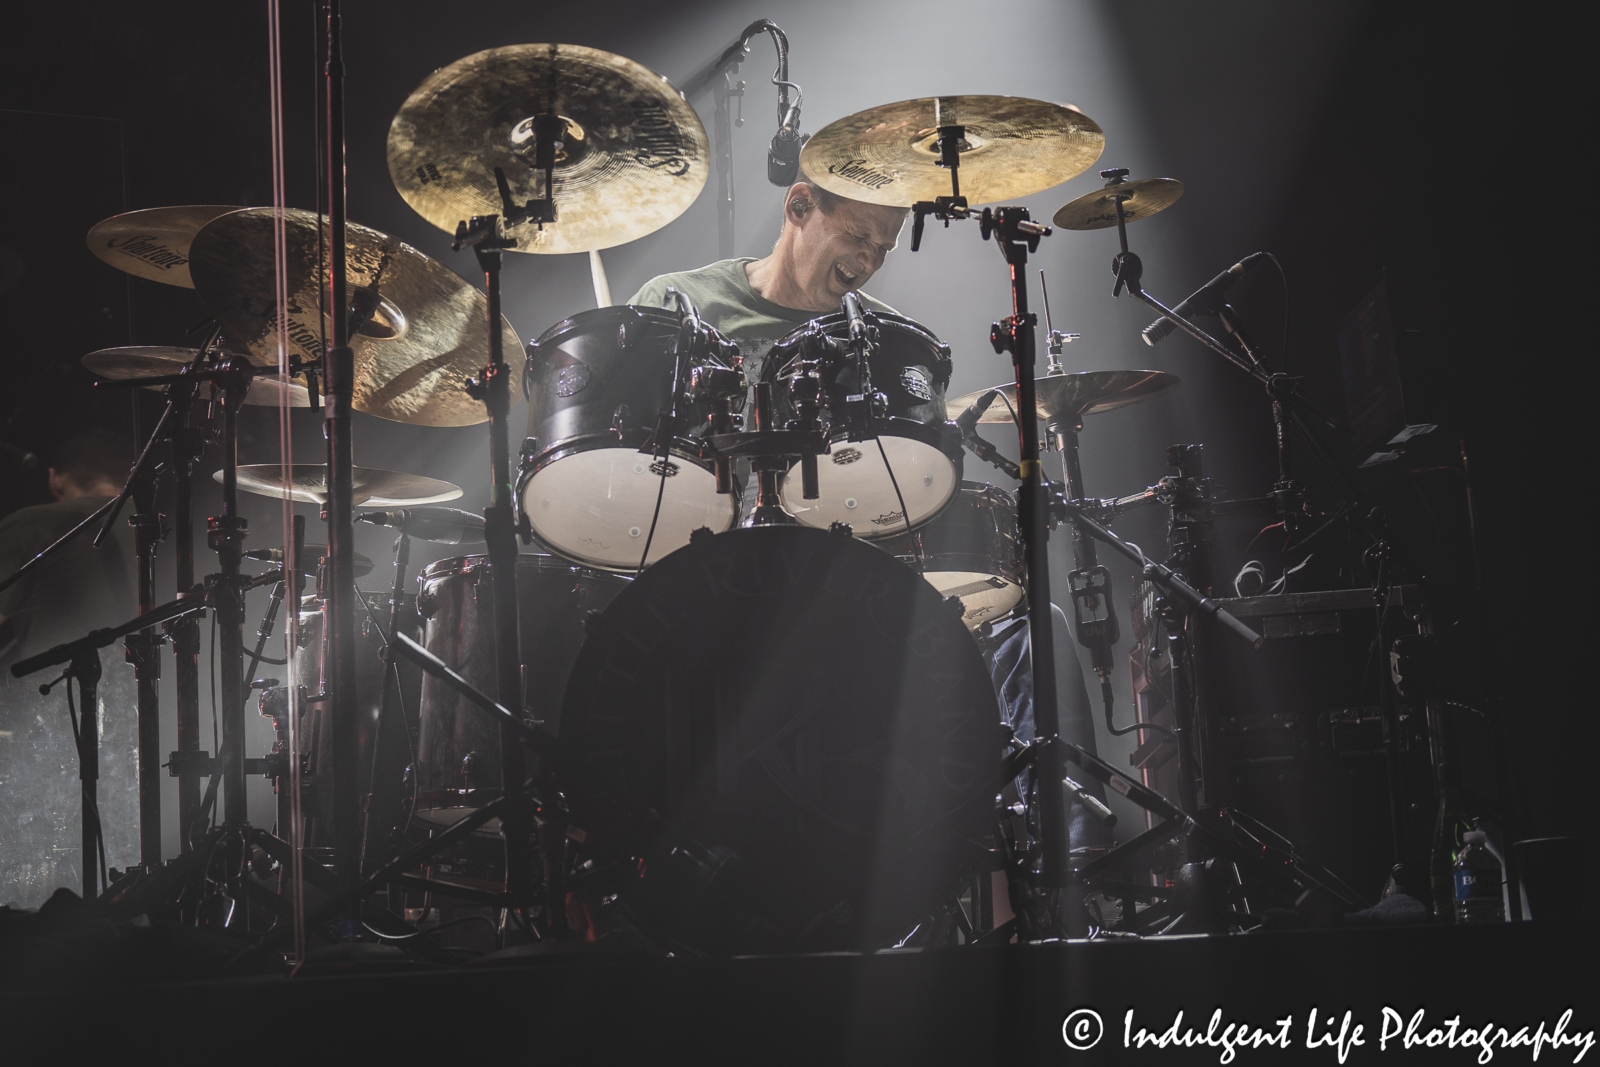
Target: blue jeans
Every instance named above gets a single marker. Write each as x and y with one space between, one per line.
1012 673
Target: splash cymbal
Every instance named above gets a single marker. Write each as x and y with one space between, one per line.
309 483
1082 393
153 243
1012 147
633 154
145 361
424 337
1141 198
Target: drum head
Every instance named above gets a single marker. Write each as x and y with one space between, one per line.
804 705
854 485
595 507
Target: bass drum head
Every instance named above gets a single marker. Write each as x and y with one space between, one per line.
805 708
595 506
853 482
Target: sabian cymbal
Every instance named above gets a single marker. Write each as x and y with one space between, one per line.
426 334
143 361
1083 393
634 155
153 243
309 483
1012 147
1142 198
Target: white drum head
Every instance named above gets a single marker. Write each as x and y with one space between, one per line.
856 489
984 597
594 507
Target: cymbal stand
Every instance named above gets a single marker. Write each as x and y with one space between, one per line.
383 804
493 388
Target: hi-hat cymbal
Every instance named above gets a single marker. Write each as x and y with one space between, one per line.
309 483
153 243
1083 393
633 156
426 333
1141 198
144 361
1012 147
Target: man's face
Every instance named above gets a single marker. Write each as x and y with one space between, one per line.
838 252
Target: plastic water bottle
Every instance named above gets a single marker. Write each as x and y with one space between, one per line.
1478 882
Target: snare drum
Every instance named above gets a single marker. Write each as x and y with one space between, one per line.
598 381
970 551
458 754
911 368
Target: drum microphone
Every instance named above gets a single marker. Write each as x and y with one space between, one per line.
1204 300
783 156
968 419
444 526
852 310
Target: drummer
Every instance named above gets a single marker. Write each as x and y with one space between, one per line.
831 245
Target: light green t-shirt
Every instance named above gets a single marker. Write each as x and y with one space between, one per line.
725 299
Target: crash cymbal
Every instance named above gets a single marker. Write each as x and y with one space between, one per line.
1083 393
1142 198
633 158
425 335
140 361
310 556
372 486
1012 147
153 243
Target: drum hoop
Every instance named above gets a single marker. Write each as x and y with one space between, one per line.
970 562
683 448
942 436
584 318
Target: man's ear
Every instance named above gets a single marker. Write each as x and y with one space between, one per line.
58 483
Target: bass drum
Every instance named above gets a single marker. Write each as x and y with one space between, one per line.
911 368
799 705
597 383
970 551
458 755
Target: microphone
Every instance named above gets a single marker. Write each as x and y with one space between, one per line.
783 156
968 419
852 309
18 458
444 526
1204 300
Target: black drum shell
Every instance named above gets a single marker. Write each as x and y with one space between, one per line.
600 379
555 599
312 670
902 345
802 702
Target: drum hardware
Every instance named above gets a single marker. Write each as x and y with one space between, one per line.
1055 339
311 559
442 526
152 366
882 378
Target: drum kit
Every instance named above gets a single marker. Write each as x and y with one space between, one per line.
749 730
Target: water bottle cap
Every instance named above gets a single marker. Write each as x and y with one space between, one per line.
1474 837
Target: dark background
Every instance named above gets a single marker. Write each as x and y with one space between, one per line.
1352 140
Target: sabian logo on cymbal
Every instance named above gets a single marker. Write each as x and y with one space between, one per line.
151 250
856 170
657 141
1127 213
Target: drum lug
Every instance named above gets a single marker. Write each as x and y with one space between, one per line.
701 534
524 528
530 448
619 420
623 341
841 529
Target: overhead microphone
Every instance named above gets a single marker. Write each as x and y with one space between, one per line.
444 526
1204 300
968 419
783 155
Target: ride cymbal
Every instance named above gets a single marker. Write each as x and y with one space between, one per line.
1141 198
309 483
144 361
1011 147
426 330
633 153
153 243
1082 393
